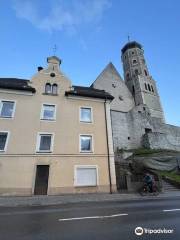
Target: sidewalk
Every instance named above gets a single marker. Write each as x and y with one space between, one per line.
79 198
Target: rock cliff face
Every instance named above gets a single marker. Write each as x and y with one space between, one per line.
166 162
130 167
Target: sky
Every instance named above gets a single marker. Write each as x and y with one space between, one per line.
88 35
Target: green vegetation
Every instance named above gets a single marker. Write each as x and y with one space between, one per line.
172 175
146 151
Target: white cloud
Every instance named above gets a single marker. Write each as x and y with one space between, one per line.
61 15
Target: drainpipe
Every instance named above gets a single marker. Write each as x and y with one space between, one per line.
107 140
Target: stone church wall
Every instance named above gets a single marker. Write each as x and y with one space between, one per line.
120 130
128 128
157 140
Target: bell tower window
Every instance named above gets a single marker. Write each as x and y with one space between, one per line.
127 76
145 86
152 88
133 89
136 72
149 88
145 72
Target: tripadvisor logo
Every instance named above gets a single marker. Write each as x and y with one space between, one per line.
140 231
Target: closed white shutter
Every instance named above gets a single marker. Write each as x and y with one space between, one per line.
86 176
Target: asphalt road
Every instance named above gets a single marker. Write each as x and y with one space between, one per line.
101 221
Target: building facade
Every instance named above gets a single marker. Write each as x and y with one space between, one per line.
54 137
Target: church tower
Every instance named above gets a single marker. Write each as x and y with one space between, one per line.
139 81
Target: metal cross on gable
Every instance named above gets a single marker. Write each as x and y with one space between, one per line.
54 49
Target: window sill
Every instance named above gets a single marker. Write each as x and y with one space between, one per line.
86 122
84 186
43 152
86 152
50 94
48 120
1 117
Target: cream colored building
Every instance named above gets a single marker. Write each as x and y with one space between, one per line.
54 138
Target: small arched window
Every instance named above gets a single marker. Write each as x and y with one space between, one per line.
152 88
145 72
48 88
133 89
136 71
55 89
149 88
134 61
145 86
127 76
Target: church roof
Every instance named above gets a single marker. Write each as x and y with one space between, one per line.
89 92
129 45
111 69
16 84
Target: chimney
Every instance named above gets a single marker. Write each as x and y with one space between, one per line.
40 68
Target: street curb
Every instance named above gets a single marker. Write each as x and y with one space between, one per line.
54 201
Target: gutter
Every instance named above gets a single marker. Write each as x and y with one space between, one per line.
107 141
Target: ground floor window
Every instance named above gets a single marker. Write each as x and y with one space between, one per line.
86 176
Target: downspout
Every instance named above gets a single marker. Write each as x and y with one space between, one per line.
107 140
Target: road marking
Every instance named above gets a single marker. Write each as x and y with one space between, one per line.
92 217
171 210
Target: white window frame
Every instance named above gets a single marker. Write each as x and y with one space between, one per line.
42 111
92 143
85 167
38 142
81 121
7 140
14 108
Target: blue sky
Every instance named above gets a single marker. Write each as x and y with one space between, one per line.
89 34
